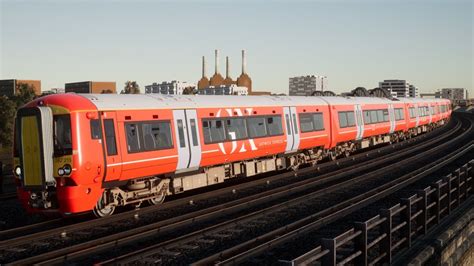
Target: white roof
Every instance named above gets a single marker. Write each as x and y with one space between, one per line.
158 101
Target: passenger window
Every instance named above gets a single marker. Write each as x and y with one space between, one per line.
373 116
380 116
110 137
306 123
350 119
367 117
318 121
194 132
156 136
213 131
236 128
342 119
182 142
385 115
274 125
256 127
133 143
95 129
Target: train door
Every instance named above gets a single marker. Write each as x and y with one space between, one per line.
113 158
417 114
292 132
431 112
391 117
187 138
359 121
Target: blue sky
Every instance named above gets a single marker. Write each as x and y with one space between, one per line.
354 43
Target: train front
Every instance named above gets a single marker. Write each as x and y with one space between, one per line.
47 158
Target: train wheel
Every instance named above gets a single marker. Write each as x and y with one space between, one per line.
158 200
102 211
332 155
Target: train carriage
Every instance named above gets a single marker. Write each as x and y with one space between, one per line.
76 153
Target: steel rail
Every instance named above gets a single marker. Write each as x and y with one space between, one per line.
186 200
240 253
7 196
227 190
189 237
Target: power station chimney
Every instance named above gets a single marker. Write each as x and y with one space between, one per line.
244 63
227 74
217 61
203 66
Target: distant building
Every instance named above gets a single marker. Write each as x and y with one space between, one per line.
91 87
454 93
170 88
8 87
435 95
53 91
307 85
399 88
224 90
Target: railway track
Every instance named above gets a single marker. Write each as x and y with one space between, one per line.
7 196
264 203
259 184
248 235
392 223
252 248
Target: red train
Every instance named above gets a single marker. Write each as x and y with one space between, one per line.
76 153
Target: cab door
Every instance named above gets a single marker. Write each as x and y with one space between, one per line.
111 143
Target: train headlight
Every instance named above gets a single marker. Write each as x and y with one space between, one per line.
67 169
18 171
60 172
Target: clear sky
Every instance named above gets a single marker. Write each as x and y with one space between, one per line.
354 43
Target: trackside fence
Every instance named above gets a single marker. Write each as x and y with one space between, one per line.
378 239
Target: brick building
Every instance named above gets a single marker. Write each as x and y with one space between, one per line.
8 87
91 87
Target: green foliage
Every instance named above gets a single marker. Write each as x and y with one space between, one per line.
131 87
189 91
108 91
8 107
7 113
25 93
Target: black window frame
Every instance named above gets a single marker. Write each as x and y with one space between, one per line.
140 135
227 130
346 113
273 119
224 122
96 131
311 116
110 136
60 149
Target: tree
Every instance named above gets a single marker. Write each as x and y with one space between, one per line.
131 87
8 106
108 91
7 113
24 93
189 91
